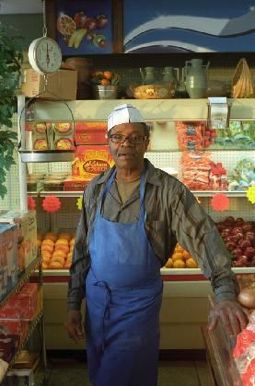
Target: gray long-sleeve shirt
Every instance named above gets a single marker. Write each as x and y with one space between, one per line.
173 214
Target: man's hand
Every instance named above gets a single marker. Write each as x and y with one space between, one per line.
74 325
231 314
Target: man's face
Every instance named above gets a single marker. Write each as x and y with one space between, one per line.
127 144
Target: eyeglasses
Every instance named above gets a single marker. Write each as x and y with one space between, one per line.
134 139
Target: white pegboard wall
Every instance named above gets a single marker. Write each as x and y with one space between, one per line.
65 220
238 207
51 167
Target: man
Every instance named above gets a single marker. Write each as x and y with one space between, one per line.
132 217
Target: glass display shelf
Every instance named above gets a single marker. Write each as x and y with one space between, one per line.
46 156
23 278
78 193
164 271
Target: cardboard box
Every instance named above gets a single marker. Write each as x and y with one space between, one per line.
90 161
62 84
75 184
27 235
90 133
8 257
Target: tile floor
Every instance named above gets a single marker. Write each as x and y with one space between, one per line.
171 373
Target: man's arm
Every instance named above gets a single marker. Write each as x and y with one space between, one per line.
196 232
78 271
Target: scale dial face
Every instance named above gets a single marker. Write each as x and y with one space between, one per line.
44 55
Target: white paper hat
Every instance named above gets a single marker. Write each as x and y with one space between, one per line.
125 113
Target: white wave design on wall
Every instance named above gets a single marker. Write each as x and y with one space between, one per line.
172 43
211 26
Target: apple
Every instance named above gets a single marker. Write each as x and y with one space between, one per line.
230 245
237 252
250 252
242 261
244 244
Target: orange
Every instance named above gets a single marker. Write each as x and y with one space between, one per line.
47 241
69 256
47 247
177 256
72 241
105 82
107 75
46 255
67 265
46 259
51 236
62 241
179 264
65 235
44 265
38 242
169 263
65 24
186 255
55 264
59 253
62 247
59 259
191 263
178 248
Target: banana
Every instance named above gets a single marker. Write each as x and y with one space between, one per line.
79 36
71 39
76 37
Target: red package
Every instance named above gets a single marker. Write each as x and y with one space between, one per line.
243 341
15 327
22 305
90 133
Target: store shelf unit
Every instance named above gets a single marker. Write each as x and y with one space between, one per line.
24 277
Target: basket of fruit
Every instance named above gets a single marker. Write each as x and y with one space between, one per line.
153 91
105 84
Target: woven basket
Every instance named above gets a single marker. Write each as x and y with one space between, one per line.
242 83
153 91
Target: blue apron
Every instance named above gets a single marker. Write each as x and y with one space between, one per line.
123 299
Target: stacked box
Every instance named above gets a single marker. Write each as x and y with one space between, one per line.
22 305
63 136
90 133
40 137
16 327
8 258
27 235
90 161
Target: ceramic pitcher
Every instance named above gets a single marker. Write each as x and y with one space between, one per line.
170 75
148 75
196 78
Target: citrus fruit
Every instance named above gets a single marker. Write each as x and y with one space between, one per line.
191 263
179 264
107 74
65 24
105 82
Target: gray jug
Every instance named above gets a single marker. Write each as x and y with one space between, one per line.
196 78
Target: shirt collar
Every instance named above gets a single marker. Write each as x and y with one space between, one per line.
152 174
